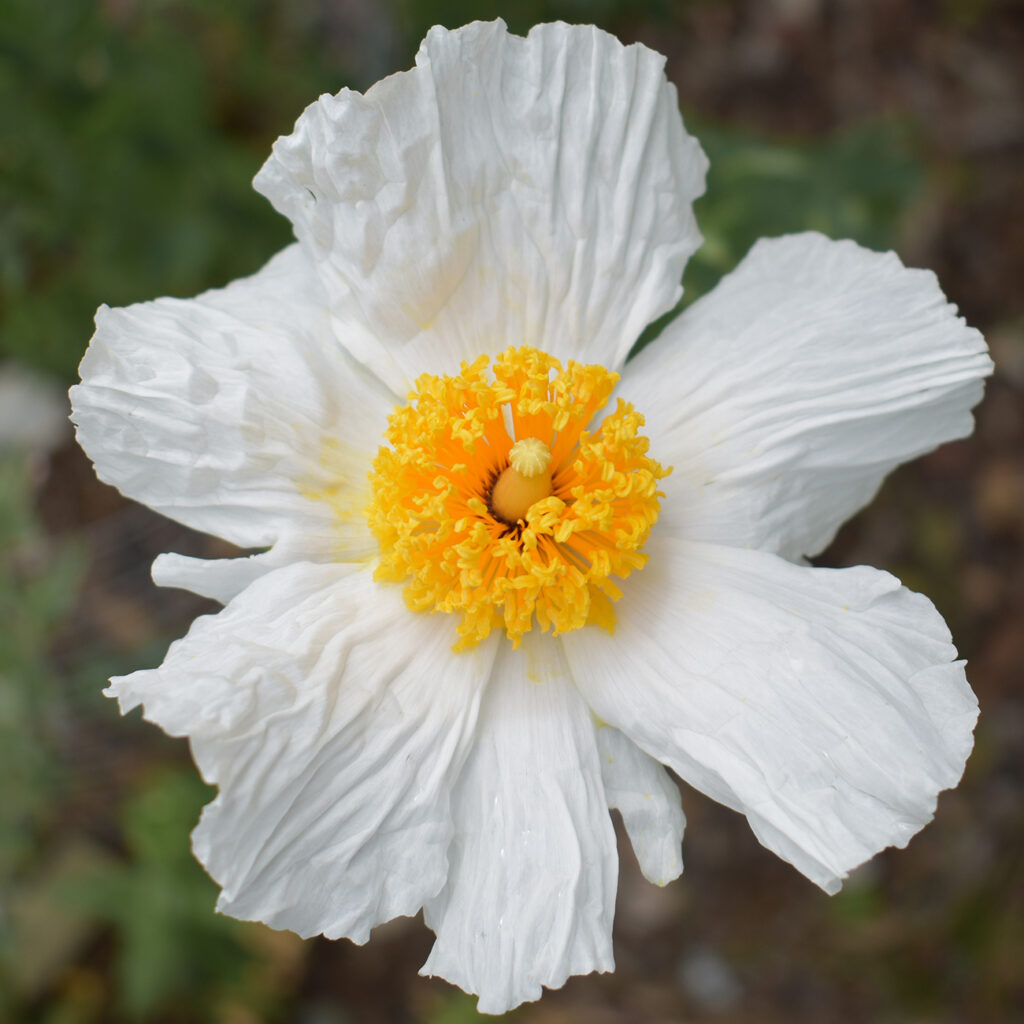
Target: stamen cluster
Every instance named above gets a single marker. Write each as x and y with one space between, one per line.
431 507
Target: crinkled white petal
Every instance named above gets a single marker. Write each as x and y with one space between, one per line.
783 397
335 723
505 191
824 704
219 579
640 789
236 412
531 890
222 579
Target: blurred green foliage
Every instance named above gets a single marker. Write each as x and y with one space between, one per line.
171 946
129 137
39 583
857 184
416 16
458 1008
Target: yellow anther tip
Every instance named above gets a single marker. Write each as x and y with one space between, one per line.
530 457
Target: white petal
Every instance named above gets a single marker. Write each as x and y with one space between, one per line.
505 191
784 396
219 579
236 412
334 721
648 800
531 891
823 703
222 579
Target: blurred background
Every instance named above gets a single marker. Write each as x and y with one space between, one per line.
129 134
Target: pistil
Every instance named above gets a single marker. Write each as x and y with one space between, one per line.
525 481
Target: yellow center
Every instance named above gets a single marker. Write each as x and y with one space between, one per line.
503 530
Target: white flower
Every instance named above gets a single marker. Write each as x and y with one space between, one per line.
508 198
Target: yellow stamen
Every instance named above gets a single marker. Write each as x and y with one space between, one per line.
502 532
524 482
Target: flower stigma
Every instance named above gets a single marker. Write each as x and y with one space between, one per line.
495 497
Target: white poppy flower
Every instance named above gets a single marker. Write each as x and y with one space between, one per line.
493 229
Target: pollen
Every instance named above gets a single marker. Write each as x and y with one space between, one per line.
498 497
